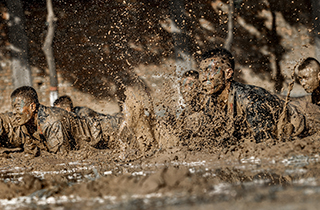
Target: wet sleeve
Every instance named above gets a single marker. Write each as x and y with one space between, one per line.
57 138
3 132
2 128
297 119
86 131
261 120
10 136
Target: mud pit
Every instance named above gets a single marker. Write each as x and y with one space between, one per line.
171 174
285 175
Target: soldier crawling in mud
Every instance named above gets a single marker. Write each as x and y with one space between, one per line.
12 138
109 123
53 129
308 74
309 77
238 109
133 131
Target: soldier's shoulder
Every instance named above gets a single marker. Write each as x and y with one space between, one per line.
52 114
255 93
86 112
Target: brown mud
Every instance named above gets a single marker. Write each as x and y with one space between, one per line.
195 173
247 176
152 167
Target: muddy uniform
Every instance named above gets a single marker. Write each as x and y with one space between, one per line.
12 136
311 112
61 131
109 124
261 110
249 111
83 111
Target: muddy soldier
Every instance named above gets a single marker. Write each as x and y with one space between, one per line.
308 74
109 123
309 77
54 129
259 109
133 128
12 136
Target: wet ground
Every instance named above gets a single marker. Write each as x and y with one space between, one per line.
173 178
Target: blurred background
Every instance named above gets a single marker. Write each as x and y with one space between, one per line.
97 47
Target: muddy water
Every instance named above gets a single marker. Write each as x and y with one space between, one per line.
174 178
159 170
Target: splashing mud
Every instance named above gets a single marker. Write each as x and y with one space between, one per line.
165 156
157 164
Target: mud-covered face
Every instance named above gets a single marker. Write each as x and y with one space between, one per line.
212 75
22 110
309 79
189 88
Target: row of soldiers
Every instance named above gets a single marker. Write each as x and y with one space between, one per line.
211 97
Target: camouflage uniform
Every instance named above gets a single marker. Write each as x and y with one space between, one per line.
249 111
83 111
261 110
12 136
109 124
61 131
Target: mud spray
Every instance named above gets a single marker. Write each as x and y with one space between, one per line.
154 169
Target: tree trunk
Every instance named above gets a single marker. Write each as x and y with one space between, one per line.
21 72
316 22
276 49
229 39
48 51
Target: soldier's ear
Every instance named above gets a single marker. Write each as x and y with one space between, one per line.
319 76
33 107
229 73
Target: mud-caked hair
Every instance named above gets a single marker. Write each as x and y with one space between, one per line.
220 52
309 62
64 102
26 92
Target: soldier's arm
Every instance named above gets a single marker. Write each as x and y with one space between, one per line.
10 134
14 136
297 119
261 121
3 131
86 130
56 137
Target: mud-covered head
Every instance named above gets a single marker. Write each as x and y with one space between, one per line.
64 102
24 104
189 85
216 70
308 73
